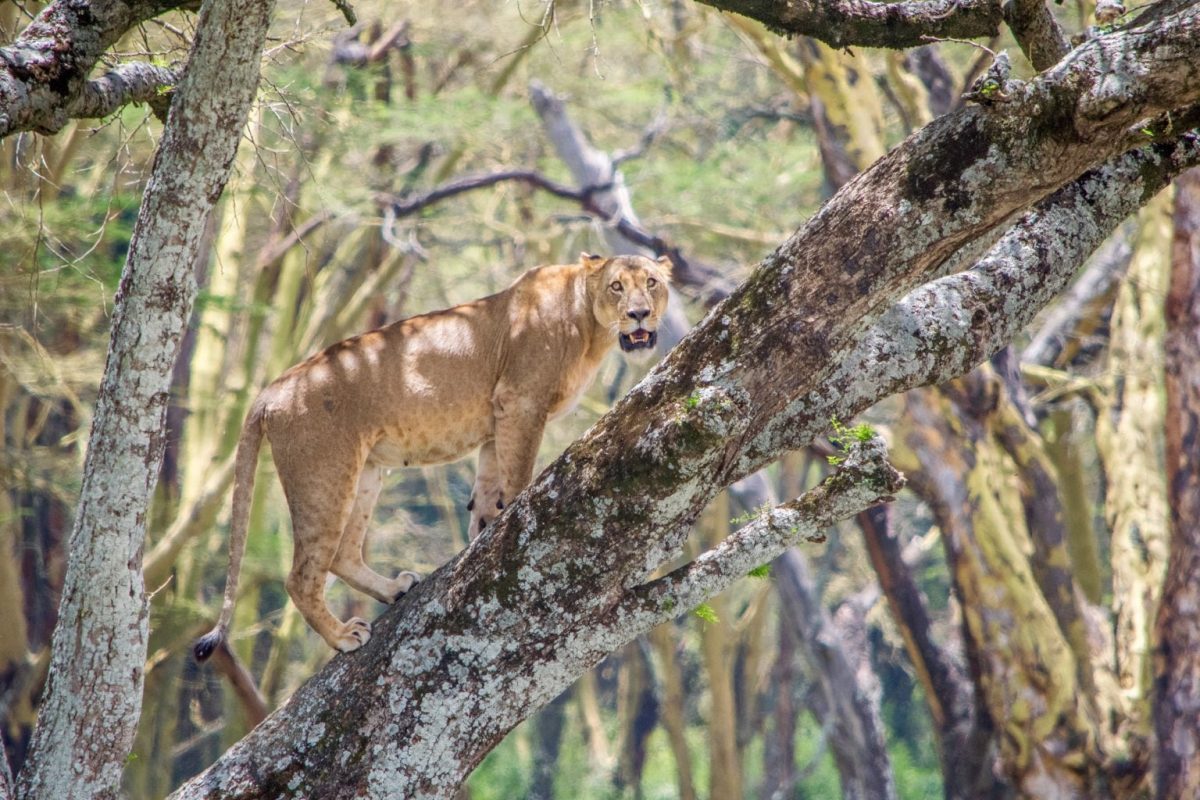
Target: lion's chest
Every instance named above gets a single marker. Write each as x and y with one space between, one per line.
572 385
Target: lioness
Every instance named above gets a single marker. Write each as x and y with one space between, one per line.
428 390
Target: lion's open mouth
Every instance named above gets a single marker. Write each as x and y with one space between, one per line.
639 339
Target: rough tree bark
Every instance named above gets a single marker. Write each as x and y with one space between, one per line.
93 698
559 581
1025 674
1177 656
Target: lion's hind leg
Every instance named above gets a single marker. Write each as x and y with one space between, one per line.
348 563
320 499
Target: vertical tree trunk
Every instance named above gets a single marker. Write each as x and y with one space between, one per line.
671 708
779 747
847 112
1063 448
547 737
1177 662
599 756
847 707
14 647
1129 437
637 714
1024 669
93 698
716 648
962 744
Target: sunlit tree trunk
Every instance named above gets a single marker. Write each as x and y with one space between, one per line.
1177 657
13 645
1024 668
600 758
93 699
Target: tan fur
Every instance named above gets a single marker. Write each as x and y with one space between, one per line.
484 376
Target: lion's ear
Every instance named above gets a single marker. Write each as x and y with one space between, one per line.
591 262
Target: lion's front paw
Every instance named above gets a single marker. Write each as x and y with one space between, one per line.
402 583
484 508
354 634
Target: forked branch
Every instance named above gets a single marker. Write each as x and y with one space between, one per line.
863 479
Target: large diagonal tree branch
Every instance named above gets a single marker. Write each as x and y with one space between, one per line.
515 618
983 308
44 72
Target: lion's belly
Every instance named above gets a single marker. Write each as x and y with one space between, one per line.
435 437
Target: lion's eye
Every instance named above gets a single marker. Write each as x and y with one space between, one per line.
651 283
616 286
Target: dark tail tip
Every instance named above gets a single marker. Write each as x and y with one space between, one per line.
208 643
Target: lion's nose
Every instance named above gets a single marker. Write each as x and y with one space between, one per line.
639 314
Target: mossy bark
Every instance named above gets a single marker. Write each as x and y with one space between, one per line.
1064 450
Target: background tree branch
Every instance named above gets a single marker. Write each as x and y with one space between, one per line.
44 72
841 23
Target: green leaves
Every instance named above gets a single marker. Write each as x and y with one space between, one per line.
843 437
705 612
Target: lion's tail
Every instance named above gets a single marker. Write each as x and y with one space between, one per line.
248 446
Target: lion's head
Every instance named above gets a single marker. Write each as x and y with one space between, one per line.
629 296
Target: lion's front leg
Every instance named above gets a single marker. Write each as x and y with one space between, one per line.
520 422
487 498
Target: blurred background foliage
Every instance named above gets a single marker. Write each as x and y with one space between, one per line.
724 129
